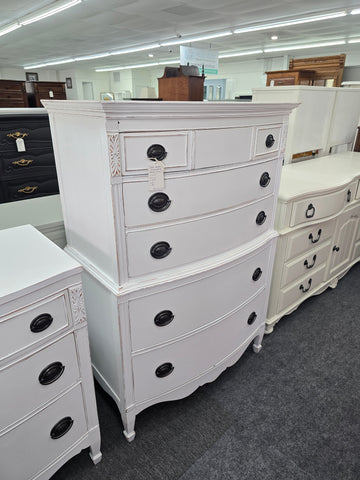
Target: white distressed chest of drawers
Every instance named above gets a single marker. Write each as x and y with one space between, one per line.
47 402
176 278
318 220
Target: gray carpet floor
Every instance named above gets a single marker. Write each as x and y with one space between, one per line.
292 412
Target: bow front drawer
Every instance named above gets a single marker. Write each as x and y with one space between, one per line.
197 193
35 163
31 325
33 131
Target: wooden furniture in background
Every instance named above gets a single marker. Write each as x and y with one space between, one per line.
13 94
47 403
45 91
357 141
181 84
328 70
289 77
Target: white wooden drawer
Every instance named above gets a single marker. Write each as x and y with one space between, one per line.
36 379
318 207
197 354
29 447
135 151
197 194
222 146
301 288
267 140
28 326
163 316
303 240
310 260
193 240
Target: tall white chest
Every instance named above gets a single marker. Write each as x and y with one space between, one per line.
169 206
47 402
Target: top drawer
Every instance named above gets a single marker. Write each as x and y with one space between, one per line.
267 140
35 132
28 326
318 207
172 149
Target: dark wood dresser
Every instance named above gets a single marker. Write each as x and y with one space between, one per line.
27 166
13 94
45 90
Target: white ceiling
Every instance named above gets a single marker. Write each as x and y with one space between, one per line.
98 26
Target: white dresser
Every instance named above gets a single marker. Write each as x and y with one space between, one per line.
47 402
177 274
318 220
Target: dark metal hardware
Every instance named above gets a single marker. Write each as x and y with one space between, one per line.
310 211
335 248
307 264
41 323
261 217
51 373
160 250
270 140
348 196
303 289
61 427
252 318
164 318
156 152
257 274
164 370
265 179
158 202
311 238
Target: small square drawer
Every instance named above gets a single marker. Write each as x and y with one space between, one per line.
267 140
28 326
35 380
225 146
172 149
42 438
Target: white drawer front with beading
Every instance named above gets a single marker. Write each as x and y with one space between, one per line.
172 149
197 193
36 379
28 326
166 368
42 438
168 246
169 314
267 140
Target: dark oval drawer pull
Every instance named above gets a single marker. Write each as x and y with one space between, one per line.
61 427
51 373
158 202
270 140
163 318
261 217
310 211
306 263
164 370
348 196
252 318
41 323
160 250
265 179
335 248
303 289
156 152
311 238
257 274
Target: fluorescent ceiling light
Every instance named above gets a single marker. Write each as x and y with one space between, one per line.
240 54
355 12
195 39
355 40
49 64
136 49
126 67
297 21
6 30
301 47
91 57
48 13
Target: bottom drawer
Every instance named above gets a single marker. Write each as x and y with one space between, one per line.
174 364
14 190
300 289
30 447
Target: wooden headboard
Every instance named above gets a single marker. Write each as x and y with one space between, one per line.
326 68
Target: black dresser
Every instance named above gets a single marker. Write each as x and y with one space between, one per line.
27 166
